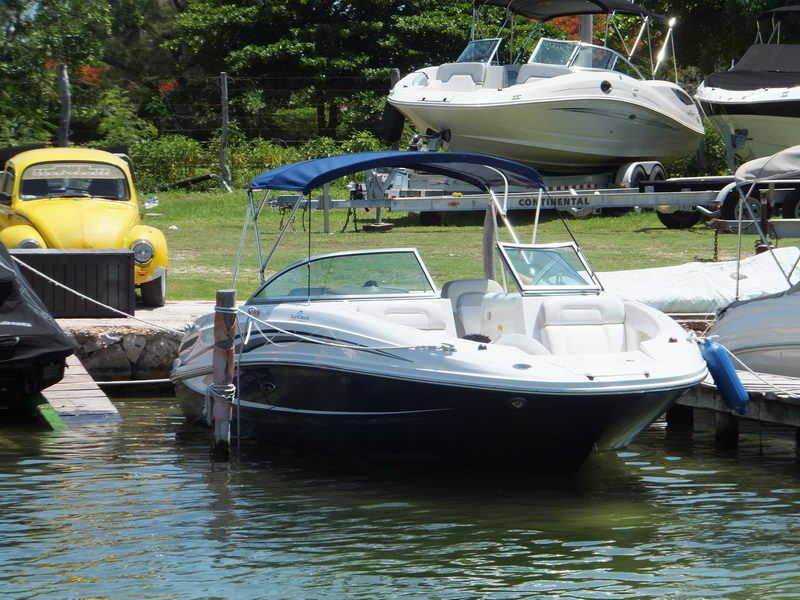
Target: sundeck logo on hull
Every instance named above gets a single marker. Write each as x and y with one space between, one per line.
299 316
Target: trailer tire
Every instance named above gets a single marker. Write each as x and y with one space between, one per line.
392 121
729 210
791 206
680 219
431 217
637 176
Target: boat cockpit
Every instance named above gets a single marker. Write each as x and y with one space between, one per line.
480 61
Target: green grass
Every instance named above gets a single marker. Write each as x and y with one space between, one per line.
206 228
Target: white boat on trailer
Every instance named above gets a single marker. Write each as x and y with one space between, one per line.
756 104
360 353
572 107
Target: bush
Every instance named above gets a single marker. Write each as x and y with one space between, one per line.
714 158
295 123
169 159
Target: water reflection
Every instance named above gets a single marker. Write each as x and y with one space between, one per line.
136 510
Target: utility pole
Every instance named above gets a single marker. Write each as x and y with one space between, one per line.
66 102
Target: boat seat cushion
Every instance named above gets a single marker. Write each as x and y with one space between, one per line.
583 324
523 342
426 315
540 71
474 70
466 296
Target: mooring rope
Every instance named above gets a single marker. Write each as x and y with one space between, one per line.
97 302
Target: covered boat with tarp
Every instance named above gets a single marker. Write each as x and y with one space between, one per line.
33 347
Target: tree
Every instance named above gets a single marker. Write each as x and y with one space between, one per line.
321 53
37 35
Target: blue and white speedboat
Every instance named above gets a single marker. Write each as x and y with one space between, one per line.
362 353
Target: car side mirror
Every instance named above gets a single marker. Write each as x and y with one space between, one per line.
151 203
5 198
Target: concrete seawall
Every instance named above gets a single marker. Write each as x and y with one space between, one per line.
130 349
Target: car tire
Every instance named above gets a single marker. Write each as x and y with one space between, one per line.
154 292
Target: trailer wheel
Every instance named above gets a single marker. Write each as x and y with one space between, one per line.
791 206
680 219
637 176
730 207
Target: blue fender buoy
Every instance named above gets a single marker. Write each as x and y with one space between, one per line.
725 377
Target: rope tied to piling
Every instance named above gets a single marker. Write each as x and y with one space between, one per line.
223 393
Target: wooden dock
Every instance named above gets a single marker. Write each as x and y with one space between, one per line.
774 399
77 397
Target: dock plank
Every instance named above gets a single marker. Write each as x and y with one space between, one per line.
773 398
78 395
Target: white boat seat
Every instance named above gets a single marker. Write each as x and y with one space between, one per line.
474 70
426 315
540 71
583 324
523 342
466 296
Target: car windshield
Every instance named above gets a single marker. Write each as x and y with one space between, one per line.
369 273
547 267
73 179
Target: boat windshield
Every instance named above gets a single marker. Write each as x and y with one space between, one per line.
73 179
548 268
484 51
568 53
397 272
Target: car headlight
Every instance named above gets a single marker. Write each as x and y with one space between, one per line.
142 251
28 244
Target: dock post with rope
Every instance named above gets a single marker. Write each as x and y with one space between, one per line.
222 391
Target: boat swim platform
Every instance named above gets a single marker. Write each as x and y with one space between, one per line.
77 398
773 399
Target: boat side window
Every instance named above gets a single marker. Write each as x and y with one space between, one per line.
594 57
553 52
354 275
74 179
484 51
621 65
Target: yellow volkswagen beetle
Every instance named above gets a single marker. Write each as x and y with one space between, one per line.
80 198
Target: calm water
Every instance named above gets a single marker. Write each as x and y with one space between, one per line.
135 510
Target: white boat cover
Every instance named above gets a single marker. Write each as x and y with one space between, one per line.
699 287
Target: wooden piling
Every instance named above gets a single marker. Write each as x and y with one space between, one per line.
222 390
727 430
680 418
